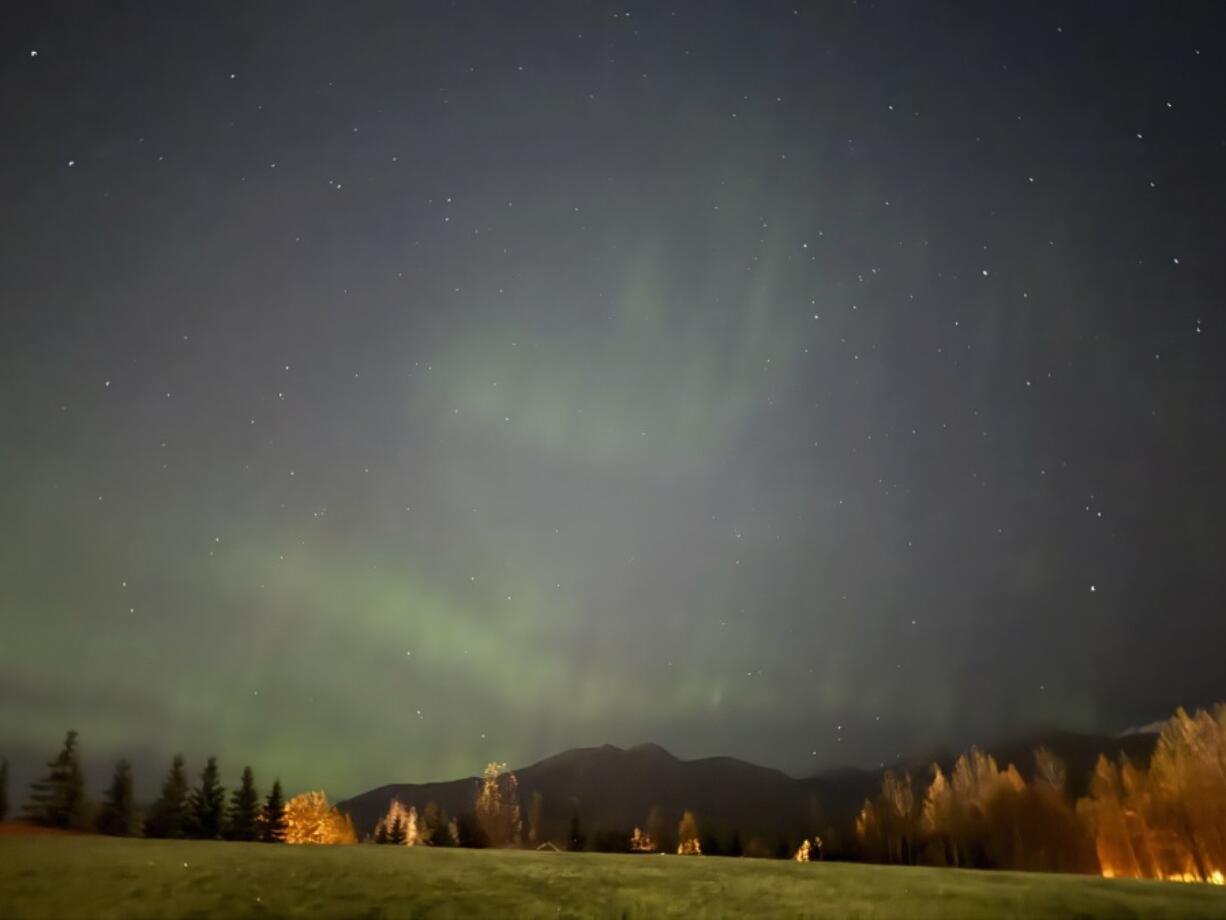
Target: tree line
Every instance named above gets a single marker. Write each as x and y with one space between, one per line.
202 812
496 820
181 811
1164 820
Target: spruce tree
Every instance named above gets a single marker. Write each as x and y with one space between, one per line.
272 827
381 834
207 806
4 788
735 848
469 833
243 819
396 836
116 815
169 812
433 828
58 800
575 840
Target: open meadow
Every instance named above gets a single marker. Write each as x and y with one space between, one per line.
53 876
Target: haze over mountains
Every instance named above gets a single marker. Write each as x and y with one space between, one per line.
612 789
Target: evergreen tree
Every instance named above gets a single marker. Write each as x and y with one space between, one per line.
469 832
207 806
433 829
534 817
575 840
609 840
657 830
381 833
433 825
169 814
735 848
396 836
272 825
58 800
116 815
243 818
444 832
4 788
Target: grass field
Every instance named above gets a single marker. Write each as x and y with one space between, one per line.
77 876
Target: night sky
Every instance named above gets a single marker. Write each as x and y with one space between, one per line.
390 388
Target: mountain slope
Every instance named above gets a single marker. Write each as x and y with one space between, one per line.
613 789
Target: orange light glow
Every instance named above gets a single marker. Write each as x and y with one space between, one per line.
408 822
310 819
641 842
1164 822
687 833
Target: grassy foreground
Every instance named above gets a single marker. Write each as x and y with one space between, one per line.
68 877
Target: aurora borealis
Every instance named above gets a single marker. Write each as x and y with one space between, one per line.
386 389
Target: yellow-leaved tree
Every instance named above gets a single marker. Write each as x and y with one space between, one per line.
687 836
642 842
310 819
888 824
497 808
1167 822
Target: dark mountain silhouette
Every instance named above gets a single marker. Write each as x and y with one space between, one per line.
612 789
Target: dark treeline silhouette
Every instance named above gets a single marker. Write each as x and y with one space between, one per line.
495 821
58 800
117 816
168 817
575 840
1164 818
243 817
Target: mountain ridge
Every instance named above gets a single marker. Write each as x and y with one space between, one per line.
611 789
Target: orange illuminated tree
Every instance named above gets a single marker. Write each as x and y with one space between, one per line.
403 818
1167 822
497 808
642 842
310 819
687 836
